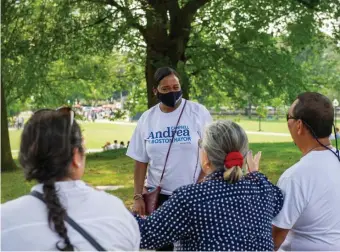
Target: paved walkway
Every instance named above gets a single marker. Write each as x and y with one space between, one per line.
87 151
267 133
109 187
134 123
111 122
248 132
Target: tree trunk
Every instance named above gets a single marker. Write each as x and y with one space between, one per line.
151 66
166 34
167 37
185 79
7 163
249 110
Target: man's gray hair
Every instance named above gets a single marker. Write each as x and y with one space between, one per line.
221 138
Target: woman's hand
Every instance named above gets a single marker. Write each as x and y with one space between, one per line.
139 207
253 162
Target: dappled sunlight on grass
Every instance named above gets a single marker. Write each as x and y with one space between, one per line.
109 168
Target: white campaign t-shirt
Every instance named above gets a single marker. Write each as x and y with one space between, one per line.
152 137
311 207
24 224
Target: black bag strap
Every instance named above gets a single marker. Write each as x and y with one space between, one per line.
70 221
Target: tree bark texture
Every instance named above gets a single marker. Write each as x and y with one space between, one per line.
7 163
167 37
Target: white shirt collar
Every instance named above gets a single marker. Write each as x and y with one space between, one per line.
63 186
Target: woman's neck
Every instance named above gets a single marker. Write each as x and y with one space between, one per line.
167 109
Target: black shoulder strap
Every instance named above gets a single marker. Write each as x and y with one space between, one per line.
70 221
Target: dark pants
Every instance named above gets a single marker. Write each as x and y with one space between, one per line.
161 200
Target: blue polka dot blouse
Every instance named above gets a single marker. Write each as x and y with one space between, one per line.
215 215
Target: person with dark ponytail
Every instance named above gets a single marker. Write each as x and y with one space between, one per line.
52 152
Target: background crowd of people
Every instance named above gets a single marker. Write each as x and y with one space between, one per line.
115 145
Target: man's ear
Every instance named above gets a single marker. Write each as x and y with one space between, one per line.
300 127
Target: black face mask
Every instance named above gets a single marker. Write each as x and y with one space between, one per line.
170 99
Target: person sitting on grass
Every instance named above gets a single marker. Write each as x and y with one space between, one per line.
52 152
107 146
122 145
228 210
115 145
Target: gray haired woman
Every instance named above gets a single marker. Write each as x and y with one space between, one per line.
232 209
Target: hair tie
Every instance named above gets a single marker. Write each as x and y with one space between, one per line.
232 159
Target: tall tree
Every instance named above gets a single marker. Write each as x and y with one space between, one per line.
180 33
34 34
165 28
235 38
7 162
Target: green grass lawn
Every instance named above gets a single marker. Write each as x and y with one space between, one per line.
114 168
278 126
105 168
97 134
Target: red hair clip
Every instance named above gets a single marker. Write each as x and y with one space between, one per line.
232 159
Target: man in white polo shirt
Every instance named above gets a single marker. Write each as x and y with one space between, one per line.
310 217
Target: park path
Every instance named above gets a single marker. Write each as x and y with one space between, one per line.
134 123
87 151
248 132
267 133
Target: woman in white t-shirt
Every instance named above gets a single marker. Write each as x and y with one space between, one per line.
150 142
52 152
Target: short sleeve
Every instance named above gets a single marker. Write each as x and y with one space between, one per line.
293 205
137 146
206 117
276 194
